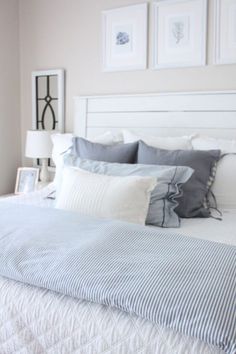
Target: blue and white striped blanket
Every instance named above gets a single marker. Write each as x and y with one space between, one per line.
185 284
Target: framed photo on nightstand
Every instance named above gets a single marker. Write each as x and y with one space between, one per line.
27 180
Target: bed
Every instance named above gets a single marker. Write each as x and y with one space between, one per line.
36 320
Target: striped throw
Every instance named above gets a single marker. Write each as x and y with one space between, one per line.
186 284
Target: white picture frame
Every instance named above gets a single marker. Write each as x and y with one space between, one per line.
125 38
180 33
26 180
225 32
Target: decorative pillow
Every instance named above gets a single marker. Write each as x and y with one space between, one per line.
123 198
62 142
224 186
164 196
193 202
169 143
122 153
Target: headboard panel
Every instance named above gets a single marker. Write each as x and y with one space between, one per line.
209 113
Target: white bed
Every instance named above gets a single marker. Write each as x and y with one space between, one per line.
39 321
35 320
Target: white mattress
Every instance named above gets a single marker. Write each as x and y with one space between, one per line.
35 321
210 229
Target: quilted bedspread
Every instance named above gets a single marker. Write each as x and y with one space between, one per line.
38 321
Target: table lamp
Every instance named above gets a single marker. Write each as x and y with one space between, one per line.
39 146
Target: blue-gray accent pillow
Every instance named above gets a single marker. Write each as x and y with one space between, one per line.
193 202
122 153
163 198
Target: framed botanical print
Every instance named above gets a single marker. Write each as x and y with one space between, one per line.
225 31
180 33
125 38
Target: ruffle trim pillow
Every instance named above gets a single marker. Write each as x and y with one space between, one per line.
194 201
164 197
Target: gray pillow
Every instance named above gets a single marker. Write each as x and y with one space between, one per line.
163 198
122 153
193 203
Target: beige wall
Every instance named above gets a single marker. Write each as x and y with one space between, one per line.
67 34
9 95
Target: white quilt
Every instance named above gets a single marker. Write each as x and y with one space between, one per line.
37 321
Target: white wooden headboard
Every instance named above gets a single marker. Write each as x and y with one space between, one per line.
209 113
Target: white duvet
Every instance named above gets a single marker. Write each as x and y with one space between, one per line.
35 321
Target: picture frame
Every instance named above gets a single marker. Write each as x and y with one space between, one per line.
26 180
225 32
125 38
180 33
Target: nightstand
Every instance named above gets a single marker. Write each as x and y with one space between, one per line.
41 185
7 195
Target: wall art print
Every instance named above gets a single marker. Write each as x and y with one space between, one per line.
225 31
180 33
125 38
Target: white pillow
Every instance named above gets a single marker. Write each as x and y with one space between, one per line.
224 186
123 198
169 143
62 142
202 142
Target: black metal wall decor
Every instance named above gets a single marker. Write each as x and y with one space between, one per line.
48 101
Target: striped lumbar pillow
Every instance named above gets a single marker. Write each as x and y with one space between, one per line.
123 198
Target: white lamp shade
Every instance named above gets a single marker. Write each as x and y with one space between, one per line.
38 144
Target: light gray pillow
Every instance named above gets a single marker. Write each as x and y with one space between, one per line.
122 153
163 198
193 203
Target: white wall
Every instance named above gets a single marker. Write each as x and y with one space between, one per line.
9 95
67 34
